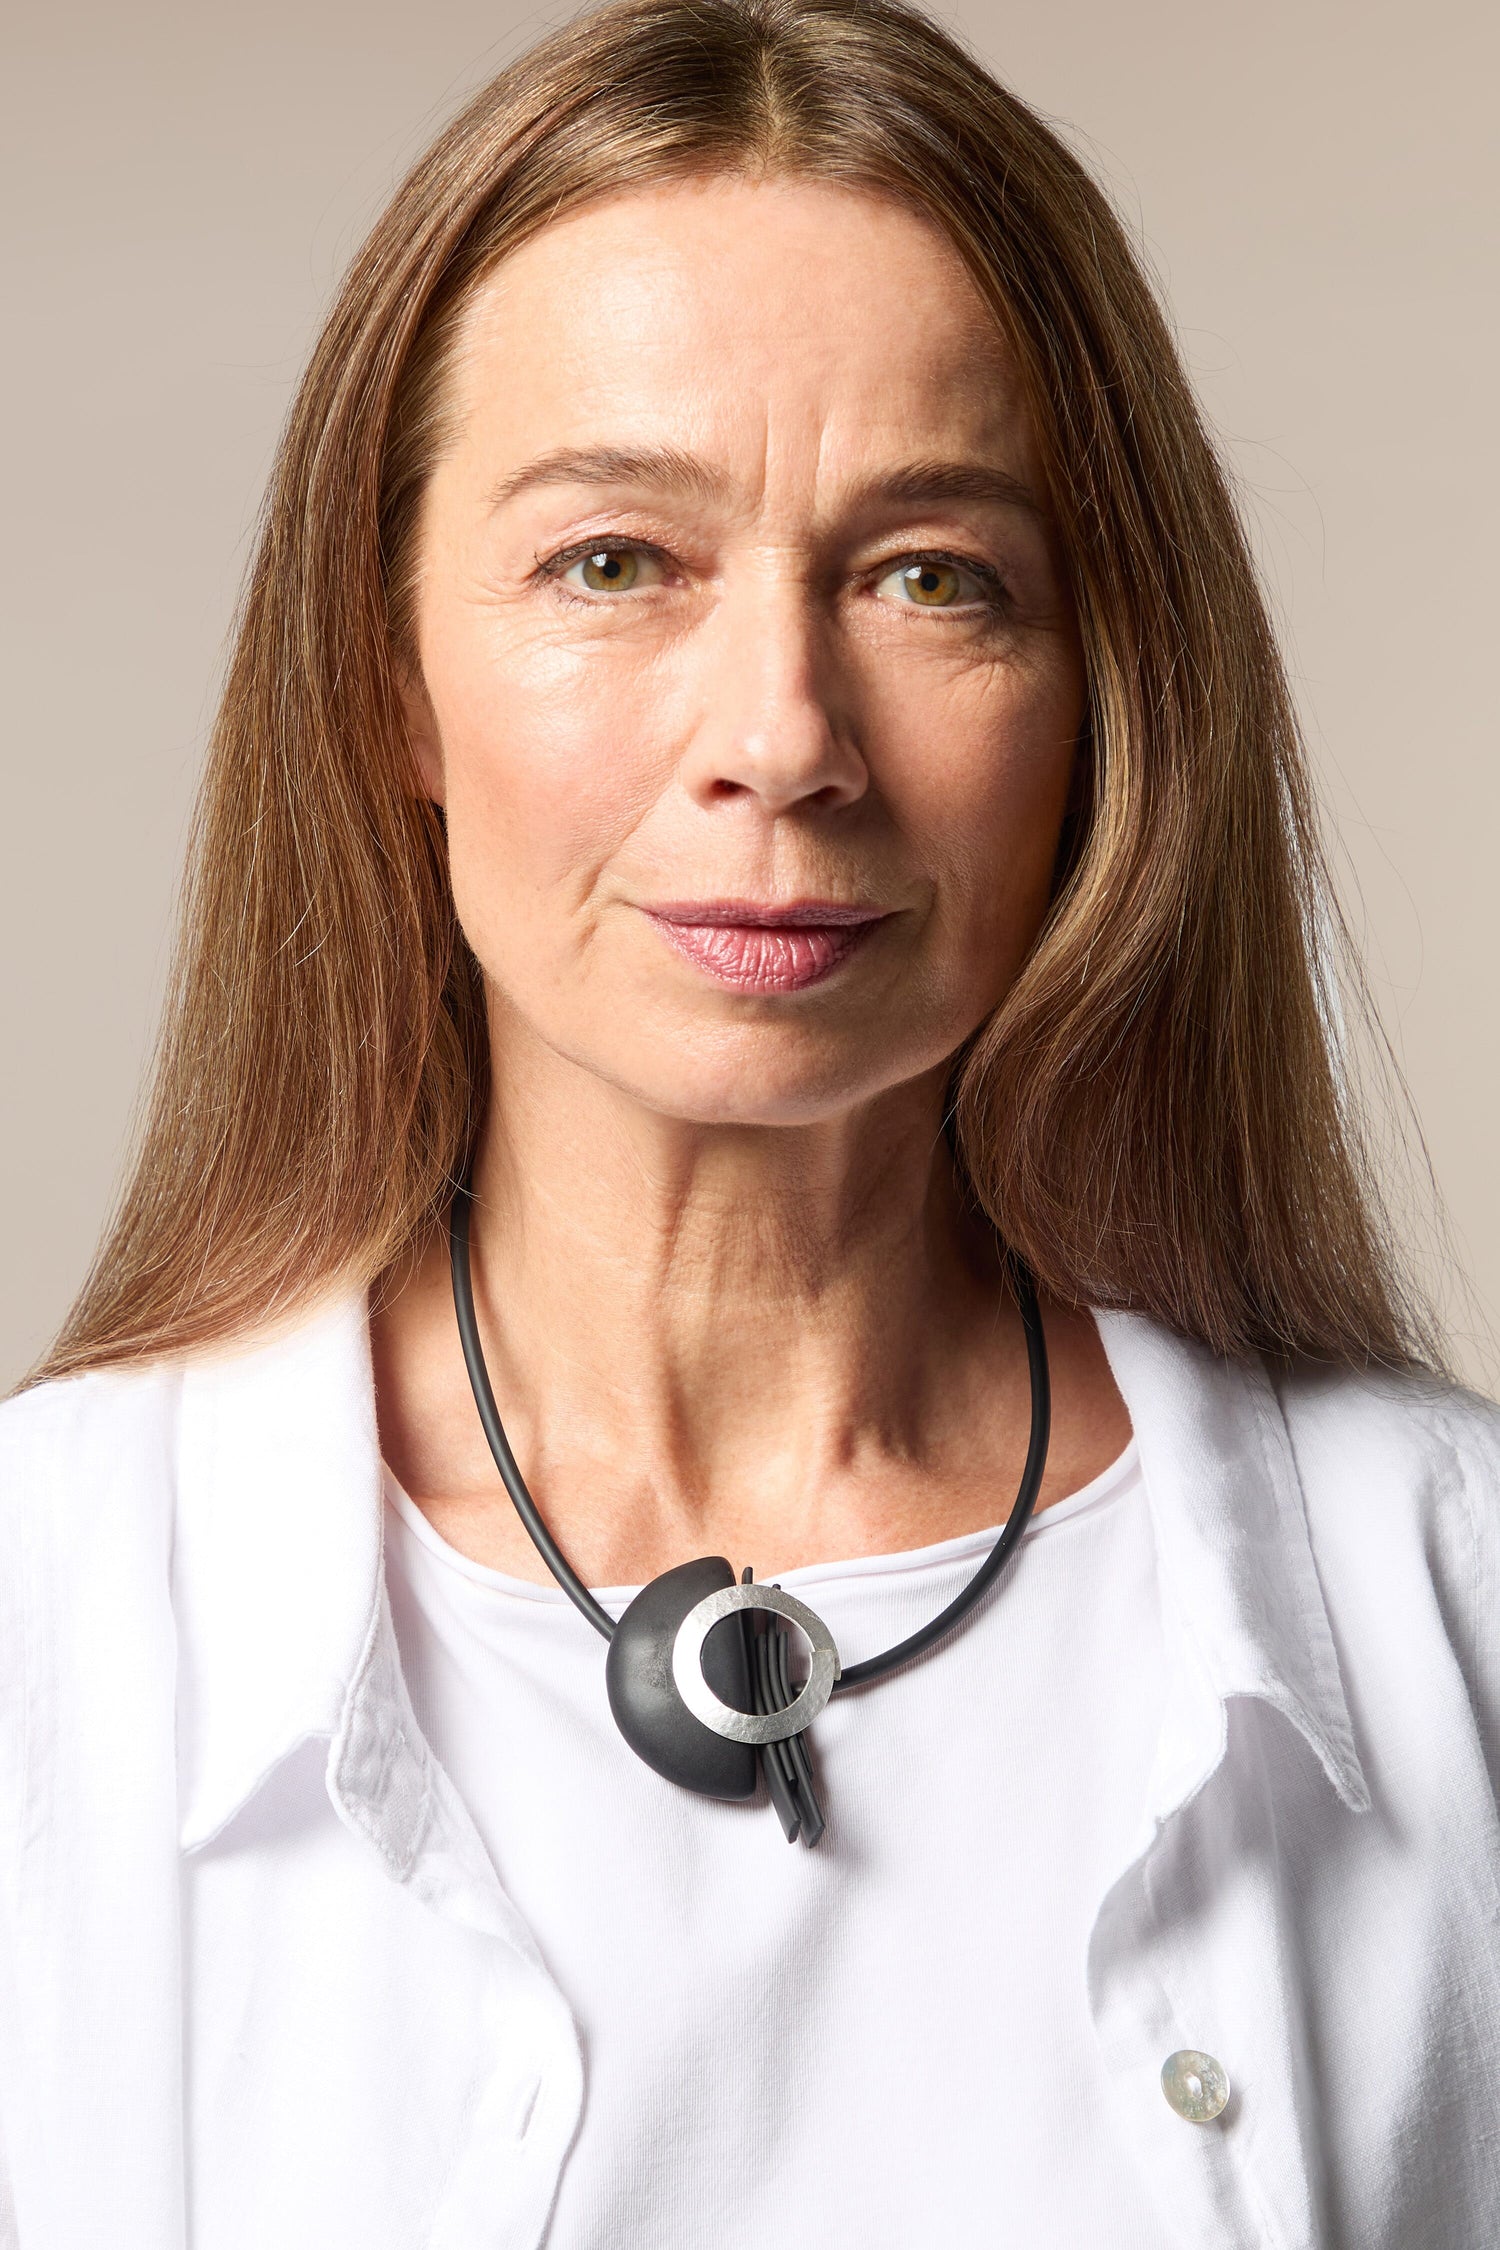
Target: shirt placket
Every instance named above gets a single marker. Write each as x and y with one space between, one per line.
390 1791
1190 1950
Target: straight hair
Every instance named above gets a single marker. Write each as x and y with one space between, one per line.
1152 1119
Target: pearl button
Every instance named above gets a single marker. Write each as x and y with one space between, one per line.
1195 2084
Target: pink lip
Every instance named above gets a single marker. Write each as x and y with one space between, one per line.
765 948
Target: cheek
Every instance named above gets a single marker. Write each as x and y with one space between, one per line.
982 788
539 788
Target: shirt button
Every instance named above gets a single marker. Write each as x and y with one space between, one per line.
1195 2084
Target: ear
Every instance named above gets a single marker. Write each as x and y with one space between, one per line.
422 731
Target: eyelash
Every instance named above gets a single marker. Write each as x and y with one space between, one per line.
555 567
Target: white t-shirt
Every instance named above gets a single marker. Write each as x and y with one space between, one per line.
883 2041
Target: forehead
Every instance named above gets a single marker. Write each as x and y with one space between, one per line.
722 313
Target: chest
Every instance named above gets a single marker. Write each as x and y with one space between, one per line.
367 2059
761 2023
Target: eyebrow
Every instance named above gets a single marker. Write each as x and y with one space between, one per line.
668 469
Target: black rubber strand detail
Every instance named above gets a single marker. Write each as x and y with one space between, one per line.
795 1746
772 1764
459 1213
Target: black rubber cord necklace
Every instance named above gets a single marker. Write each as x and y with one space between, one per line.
697 1669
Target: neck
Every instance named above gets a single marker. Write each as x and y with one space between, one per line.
724 1281
779 1343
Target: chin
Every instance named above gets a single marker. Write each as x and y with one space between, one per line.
753 1109
760 1081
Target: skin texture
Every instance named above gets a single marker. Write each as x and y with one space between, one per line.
731 1299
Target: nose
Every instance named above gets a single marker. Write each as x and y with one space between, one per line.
776 724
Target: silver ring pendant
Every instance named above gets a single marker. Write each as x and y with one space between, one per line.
722 1718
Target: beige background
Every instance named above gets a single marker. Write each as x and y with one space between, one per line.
1314 181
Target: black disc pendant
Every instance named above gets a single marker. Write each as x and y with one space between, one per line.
643 1694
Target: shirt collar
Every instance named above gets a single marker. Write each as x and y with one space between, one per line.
278 1581
276 1572
1243 1612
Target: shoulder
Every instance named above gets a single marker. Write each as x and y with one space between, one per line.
78 1447
87 1636
87 1484
1400 1476
1385 1448
88 1455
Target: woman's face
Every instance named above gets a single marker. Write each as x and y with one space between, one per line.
751 682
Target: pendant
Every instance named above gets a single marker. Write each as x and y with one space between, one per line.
700 1687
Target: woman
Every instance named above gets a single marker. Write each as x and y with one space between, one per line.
755 745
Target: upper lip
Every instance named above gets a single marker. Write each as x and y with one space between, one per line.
745 913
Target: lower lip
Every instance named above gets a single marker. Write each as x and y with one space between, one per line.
760 957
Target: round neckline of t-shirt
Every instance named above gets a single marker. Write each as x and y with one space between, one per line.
1121 1473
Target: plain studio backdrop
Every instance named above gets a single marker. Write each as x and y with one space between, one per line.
1313 181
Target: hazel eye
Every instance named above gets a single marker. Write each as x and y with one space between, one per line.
931 584
612 570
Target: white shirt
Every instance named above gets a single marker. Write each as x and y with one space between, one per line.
765 2029
260 1982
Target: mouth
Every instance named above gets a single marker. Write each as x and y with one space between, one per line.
756 948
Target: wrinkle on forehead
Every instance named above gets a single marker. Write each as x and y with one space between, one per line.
783 333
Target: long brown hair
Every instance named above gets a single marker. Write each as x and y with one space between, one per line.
1152 1118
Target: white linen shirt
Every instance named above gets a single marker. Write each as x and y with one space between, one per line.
225 2029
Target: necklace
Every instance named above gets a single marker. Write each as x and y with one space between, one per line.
697 1668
